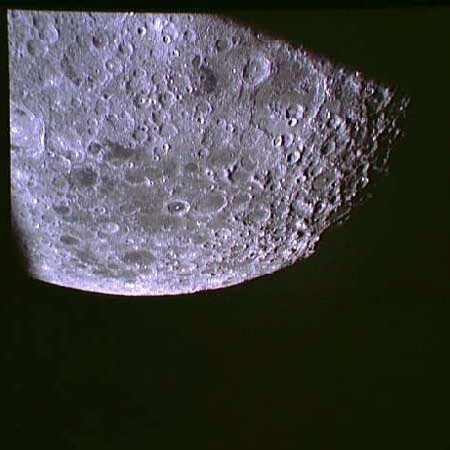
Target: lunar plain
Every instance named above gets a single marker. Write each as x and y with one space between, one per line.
162 154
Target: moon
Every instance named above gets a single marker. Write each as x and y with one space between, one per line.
163 154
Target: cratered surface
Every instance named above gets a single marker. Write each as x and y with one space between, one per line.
157 154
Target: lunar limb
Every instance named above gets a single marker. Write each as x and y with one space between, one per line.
162 154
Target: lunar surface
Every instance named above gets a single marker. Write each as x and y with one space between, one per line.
157 154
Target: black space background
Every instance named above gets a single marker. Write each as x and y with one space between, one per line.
349 349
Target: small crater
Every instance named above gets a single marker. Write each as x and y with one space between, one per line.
296 111
328 148
223 44
206 81
137 257
40 21
302 208
189 35
140 134
168 130
103 272
129 207
283 140
125 49
196 60
240 199
178 207
141 30
293 157
203 108
26 130
109 228
60 183
86 257
256 216
222 158
202 153
71 71
211 203
100 40
113 266
256 70
36 48
251 137
191 169
84 176
101 108
135 175
114 65
49 34
62 210
238 175
170 169
322 181
141 101
167 99
94 148
119 153
67 239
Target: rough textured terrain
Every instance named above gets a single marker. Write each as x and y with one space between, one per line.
166 154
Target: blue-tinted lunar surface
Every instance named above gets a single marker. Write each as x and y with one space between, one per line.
157 154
